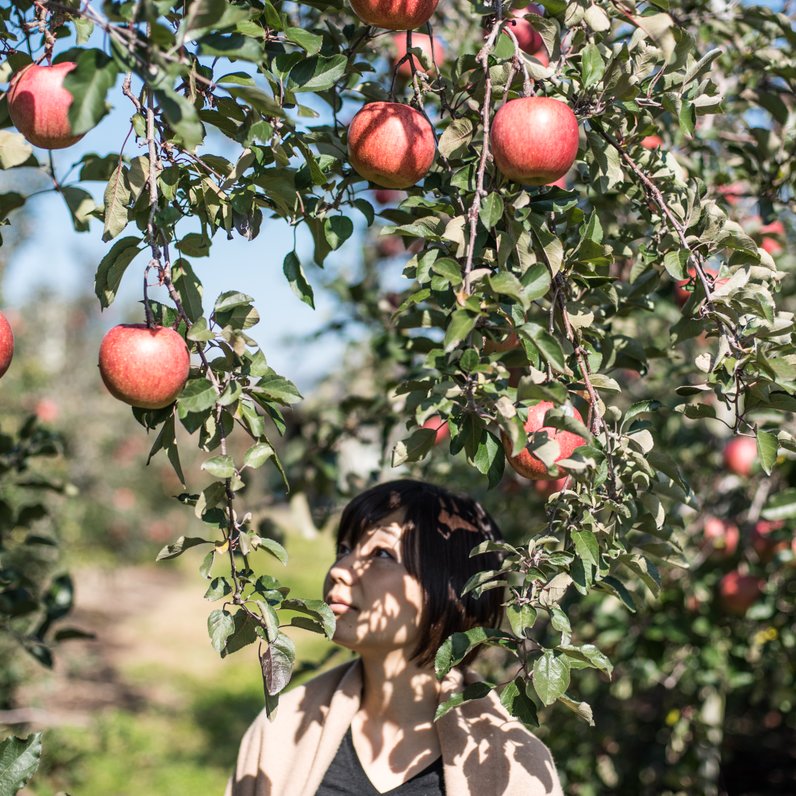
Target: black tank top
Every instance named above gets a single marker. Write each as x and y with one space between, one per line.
346 777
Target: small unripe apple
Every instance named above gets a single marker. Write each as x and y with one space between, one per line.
38 105
394 14
525 462
142 366
534 139
740 455
737 592
528 38
436 423
6 344
766 547
721 537
391 144
422 42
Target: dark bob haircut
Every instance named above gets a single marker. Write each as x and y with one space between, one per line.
440 530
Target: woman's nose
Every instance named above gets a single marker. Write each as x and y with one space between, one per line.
342 570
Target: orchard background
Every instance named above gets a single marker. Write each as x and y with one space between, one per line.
652 290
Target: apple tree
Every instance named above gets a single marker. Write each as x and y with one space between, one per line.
596 232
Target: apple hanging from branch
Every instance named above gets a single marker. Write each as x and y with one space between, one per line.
531 466
740 455
142 366
431 47
391 144
534 139
38 105
737 592
6 344
394 14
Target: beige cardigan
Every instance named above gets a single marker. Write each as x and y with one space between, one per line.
485 751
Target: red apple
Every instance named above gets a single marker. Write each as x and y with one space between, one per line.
771 245
774 228
721 537
534 139
737 592
391 144
733 192
38 105
525 463
651 141
439 425
740 455
508 343
47 410
390 246
528 38
422 42
766 547
394 14
6 344
550 487
542 56
387 196
144 367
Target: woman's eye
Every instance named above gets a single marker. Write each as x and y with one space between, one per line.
343 550
383 552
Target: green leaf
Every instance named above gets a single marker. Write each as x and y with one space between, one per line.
220 466
337 230
220 626
456 137
586 546
550 677
257 455
592 66
116 198
457 646
181 116
197 396
14 149
781 506
276 662
317 609
521 618
506 284
676 262
296 279
180 546
767 447
89 83
517 702
81 206
460 325
274 548
317 73
19 759
112 267
470 692
311 43
491 209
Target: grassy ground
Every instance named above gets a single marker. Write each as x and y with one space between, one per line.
175 712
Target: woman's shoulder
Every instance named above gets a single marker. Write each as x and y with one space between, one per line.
482 733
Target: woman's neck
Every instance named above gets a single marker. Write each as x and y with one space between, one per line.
398 692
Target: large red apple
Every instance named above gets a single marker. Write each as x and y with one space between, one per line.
721 537
6 344
391 144
740 455
737 592
422 42
651 141
528 38
144 367
394 14
38 105
534 139
525 463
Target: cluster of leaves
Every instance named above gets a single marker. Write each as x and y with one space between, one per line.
576 274
33 600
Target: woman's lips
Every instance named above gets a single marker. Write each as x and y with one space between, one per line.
339 607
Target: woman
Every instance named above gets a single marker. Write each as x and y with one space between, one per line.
367 727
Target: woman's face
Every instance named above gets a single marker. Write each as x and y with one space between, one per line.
376 602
